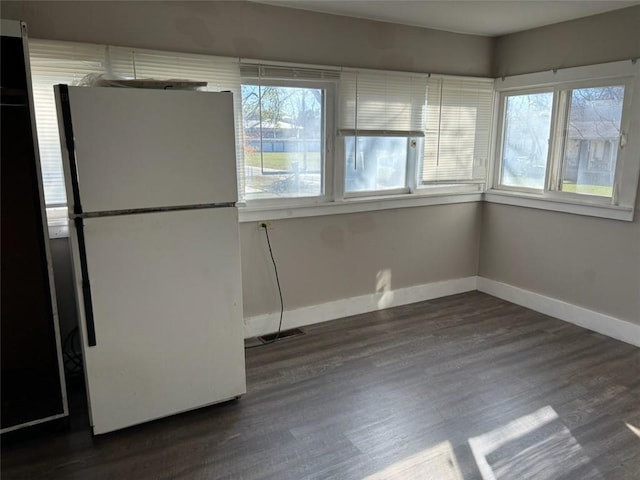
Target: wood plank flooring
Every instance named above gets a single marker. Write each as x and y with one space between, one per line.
462 387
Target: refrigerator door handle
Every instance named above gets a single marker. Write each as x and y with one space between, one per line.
86 286
69 142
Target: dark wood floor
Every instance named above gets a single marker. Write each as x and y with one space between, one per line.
466 386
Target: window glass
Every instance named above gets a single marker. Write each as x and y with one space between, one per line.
283 141
591 141
527 124
375 163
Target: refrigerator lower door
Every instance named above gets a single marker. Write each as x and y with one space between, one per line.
167 305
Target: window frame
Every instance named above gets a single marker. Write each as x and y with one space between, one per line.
328 122
501 113
411 162
621 204
564 101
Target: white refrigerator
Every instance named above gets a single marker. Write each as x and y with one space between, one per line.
151 189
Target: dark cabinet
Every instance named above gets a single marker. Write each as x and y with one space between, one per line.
32 380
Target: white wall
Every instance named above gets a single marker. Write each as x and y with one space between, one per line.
600 38
323 259
590 262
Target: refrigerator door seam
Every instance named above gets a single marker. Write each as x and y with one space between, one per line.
137 211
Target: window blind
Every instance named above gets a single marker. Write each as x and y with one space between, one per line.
67 62
258 70
457 130
53 63
382 101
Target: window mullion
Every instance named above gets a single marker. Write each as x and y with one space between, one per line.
623 138
557 140
338 167
329 145
498 141
414 155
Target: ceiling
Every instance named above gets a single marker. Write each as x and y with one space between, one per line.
479 17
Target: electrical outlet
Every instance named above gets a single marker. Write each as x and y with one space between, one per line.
267 223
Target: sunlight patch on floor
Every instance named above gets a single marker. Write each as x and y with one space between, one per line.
536 446
435 462
635 430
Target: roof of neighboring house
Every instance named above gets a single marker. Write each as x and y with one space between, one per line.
593 130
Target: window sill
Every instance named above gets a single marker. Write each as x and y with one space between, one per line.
537 201
60 229
354 205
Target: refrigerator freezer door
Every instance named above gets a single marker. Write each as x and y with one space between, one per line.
167 304
139 148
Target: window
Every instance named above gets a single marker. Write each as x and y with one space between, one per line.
564 137
409 133
527 130
283 141
400 136
590 150
457 131
375 163
589 144
382 122
286 113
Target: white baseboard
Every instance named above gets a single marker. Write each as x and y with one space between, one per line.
598 322
299 317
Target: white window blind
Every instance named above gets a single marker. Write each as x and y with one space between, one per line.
457 131
258 70
53 63
382 102
66 62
